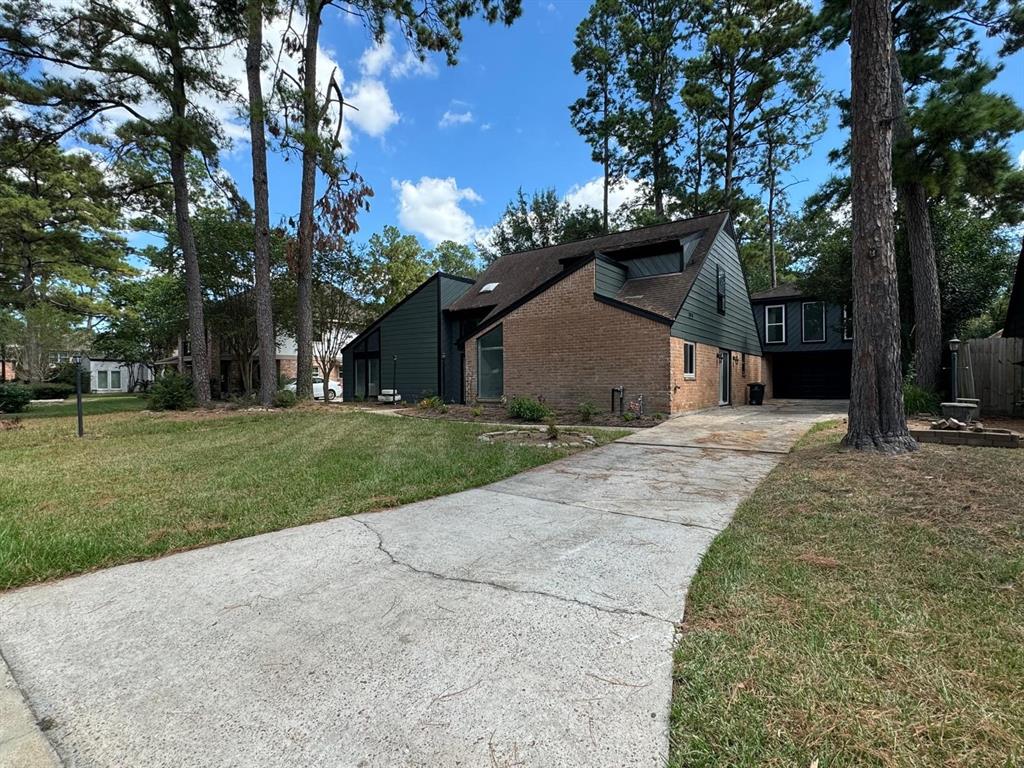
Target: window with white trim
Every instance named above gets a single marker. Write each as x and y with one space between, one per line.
101 380
115 379
813 325
847 323
689 360
775 324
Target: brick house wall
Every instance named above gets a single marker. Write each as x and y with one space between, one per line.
566 347
702 390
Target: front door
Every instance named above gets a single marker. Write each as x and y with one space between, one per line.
724 384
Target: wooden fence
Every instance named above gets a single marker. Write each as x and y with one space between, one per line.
992 370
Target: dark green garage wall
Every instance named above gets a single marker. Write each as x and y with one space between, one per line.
794 320
698 319
411 330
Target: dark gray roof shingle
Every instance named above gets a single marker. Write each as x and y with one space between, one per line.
517 274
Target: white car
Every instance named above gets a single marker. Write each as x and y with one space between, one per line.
333 388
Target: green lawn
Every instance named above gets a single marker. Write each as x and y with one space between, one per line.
861 611
141 484
92 405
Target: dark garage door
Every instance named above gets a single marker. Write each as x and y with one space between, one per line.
822 375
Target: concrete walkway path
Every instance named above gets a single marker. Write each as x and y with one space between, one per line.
527 623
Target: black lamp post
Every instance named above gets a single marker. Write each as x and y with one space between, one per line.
954 349
78 393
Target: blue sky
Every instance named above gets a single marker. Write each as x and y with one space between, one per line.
445 148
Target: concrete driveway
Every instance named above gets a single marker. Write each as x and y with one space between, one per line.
527 623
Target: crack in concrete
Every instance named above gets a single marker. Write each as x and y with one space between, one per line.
503 587
590 508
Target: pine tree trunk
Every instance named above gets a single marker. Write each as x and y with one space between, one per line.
304 279
924 271
877 421
261 245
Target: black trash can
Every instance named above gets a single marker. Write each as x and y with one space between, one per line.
755 394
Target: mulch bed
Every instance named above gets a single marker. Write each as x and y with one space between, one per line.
497 414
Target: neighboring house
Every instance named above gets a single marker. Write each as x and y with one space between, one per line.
106 375
661 311
411 348
225 374
807 342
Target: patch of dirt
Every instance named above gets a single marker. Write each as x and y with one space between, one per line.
818 560
565 438
497 414
9 425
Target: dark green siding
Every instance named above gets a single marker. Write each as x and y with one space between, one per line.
348 374
699 319
450 386
412 331
794 338
646 266
609 278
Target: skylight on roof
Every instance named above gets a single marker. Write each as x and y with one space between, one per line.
488 288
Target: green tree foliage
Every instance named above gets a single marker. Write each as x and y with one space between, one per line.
59 220
539 221
148 315
596 113
391 266
454 259
648 123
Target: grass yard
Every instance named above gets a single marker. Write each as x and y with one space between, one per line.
142 484
861 611
92 405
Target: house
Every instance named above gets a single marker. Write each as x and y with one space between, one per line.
661 312
411 348
107 375
226 374
807 342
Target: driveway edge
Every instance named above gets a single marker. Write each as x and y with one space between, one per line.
22 742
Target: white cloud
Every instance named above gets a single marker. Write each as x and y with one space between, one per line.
1020 159
486 126
382 57
591 193
450 118
433 208
374 113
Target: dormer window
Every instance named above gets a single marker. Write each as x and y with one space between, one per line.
488 288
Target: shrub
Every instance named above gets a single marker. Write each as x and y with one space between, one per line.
919 400
65 374
477 411
432 403
14 398
552 428
528 409
171 392
285 398
51 390
628 416
587 410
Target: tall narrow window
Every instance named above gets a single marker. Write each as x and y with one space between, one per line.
115 379
689 360
720 279
101 380
847 323
490 365
775 324
813 321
